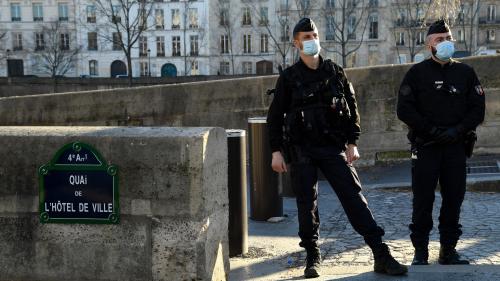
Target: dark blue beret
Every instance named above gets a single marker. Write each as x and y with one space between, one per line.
439 26
304 25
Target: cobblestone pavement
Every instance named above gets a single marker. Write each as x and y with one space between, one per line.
342 247
480 218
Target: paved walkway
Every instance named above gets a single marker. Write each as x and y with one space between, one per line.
274 253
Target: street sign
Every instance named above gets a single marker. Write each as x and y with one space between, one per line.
77 186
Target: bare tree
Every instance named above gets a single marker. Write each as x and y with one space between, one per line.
3 34
280 34
126 31
190 21
443 9
304 7
347 18
227 21
199 41
408 17
467 20
54 54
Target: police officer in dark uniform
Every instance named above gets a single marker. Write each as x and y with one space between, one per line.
442 102
311 119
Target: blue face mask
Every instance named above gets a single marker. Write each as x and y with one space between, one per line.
311 47
444 50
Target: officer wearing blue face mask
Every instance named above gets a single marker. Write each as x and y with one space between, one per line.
442 102
314 122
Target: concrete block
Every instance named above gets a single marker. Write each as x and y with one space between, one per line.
173 203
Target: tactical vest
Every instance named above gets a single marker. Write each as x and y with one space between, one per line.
319 111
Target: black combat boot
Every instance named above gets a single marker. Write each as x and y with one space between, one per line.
448 255
385 263
313 262
421 256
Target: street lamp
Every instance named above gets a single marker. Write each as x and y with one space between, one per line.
149 62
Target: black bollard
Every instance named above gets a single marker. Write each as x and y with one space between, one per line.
237 189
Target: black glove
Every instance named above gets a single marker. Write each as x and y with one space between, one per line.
449 135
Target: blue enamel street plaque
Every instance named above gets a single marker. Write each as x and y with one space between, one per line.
77 186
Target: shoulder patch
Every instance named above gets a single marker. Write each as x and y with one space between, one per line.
479 90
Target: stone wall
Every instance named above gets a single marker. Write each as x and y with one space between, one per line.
173 201
229 103
23 86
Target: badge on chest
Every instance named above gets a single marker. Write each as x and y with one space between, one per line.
446 88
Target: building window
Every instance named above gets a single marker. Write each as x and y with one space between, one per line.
420 15
400 39
401 58
193 18
224 68
160 46
373 3
490 35
117 41
461 35
285 31
93 68
37 12
15 12
421 37
64 43
17 43
284 5
330 29
247 19
144 67
224 17
116 18
492 12
92 41
330 4
159 19
194 44
63 12
401 19
176 46
195 69
264 43
224 44
143 19
247 43
351 28
264 16
143 46
461 13
91 14
247 67
39 41
373 34
176 19
305 4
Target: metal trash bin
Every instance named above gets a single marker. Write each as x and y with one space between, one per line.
237 189
266 199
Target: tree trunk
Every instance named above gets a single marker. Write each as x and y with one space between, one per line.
129 66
